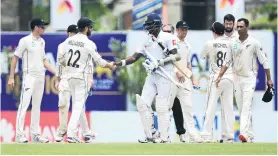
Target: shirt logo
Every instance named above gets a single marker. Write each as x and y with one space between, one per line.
174 42
33 44
235 47
247 46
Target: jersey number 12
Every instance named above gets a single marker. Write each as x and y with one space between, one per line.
74 64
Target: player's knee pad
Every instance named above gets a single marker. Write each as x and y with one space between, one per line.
162 104
141 104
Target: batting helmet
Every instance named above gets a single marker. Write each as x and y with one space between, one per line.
153 23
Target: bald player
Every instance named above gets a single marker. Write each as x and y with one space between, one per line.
245 51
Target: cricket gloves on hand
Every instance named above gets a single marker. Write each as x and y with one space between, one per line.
150 67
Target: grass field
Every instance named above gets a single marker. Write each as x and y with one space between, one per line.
136 148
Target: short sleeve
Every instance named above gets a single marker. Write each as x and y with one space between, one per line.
20 48
43 55
189 54
204 53
95 55
141 49
171 43
261 55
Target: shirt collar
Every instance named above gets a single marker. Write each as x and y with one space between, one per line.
34 38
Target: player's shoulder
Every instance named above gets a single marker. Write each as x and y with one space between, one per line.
209 42
253 40
26 38
167 36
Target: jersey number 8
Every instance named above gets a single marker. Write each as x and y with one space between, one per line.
220 58
74 64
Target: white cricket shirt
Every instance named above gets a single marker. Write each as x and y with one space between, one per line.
217 51
79 54
168 40
234 36
245 54
184 50
32 52
61 62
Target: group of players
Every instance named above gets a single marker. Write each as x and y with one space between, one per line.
169 81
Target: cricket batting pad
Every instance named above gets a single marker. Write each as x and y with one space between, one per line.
146 115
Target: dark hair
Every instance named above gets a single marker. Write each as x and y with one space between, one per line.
246 22
170 25
229 17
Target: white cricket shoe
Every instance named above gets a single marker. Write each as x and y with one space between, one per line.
39 139
195 139
226 140
73 140
146 140
159 140
60 137
89 138
21 139
182 138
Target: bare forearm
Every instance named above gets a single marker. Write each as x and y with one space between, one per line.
267 72
48 66
223 70
13 66
129 60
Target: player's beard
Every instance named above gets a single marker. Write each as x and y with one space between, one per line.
228 29
89 32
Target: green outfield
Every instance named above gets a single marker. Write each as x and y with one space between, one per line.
136 148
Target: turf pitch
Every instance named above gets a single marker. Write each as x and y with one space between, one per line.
136 148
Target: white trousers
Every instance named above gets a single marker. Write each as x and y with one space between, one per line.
79 90
64 104
225 92
32 87
164 91
244 90
185 97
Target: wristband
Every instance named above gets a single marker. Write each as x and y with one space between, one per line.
123 63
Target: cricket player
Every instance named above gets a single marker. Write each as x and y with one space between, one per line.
183 95
183 102
245 51
231 34
31 49
216 51
177 112
229 23
156 84
79 51
64 94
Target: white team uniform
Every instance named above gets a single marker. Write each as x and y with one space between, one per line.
65 94
244 55
183 95
224 125
79 52
217 50
157 86
32 53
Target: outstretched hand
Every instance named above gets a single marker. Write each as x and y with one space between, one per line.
111 66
